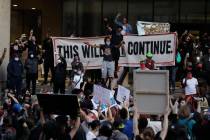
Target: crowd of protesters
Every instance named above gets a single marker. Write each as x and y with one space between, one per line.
186 118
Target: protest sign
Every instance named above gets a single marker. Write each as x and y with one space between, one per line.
105 96
147 28
151 91
123 94
101 94
59 104
163 48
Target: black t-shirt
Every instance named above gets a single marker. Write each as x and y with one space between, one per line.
48 47
107 52
115 41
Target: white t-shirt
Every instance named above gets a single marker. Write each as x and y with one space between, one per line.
191 84
90 136
78 79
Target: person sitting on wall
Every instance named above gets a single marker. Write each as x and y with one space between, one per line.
149 62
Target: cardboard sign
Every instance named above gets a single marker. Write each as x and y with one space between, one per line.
151 91
105 96
59 104
147 28
123 94
101 94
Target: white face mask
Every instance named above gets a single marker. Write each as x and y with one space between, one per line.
16 59
58 61
32 56
108 43
16 47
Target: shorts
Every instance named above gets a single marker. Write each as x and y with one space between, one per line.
107 69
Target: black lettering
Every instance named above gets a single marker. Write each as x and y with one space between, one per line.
59 48
141 48
135 48
96 54
66 51
92 52
162 47
151 47
147 45
168 47
156 47
86 51
75 49
130 44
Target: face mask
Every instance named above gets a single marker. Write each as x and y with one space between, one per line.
58 61
16 47
108 43
32 56
16 59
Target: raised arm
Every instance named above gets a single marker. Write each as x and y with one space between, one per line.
116 20
73 131
164 131
13 98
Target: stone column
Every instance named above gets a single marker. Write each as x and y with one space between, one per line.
5 9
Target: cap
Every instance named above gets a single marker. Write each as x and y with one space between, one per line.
149 54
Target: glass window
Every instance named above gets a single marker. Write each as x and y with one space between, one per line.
166 11
192 11
140 10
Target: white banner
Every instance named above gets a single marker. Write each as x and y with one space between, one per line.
147 28
161 46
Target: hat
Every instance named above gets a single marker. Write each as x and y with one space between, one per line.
149 54
17 107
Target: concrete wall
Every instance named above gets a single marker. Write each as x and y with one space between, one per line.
4 35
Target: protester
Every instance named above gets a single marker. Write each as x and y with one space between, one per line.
107 69
23 118
47 50
191 88
60 76
32 45
117 42
14 74
31 66
149 62
127 28
77 73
